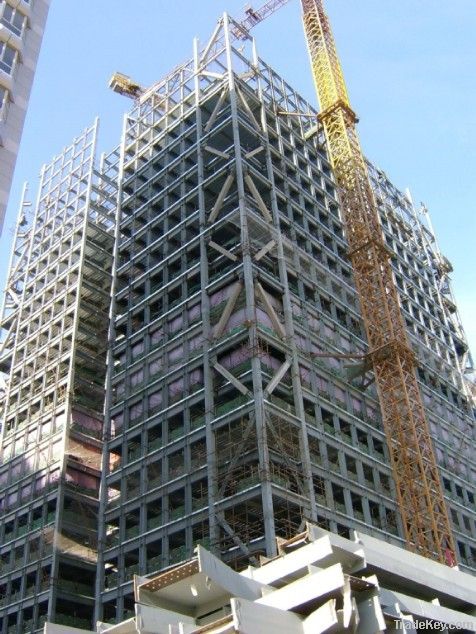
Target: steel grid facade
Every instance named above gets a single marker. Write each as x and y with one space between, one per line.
233 416
53 352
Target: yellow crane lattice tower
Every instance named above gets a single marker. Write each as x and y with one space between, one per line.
419 493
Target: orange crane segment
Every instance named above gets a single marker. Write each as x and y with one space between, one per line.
419 493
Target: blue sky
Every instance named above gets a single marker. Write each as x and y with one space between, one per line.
409 66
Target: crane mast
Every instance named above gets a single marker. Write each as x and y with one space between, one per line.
419 493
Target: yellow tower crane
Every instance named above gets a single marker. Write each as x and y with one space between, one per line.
419 493
420 497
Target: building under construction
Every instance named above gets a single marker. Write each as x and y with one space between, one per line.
55 321
240 400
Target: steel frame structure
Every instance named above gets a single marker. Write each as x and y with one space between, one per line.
54 322
232 418
234 297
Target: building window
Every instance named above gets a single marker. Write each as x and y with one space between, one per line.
8 57
3 103
13 20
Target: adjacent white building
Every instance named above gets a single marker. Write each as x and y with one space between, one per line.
22 23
